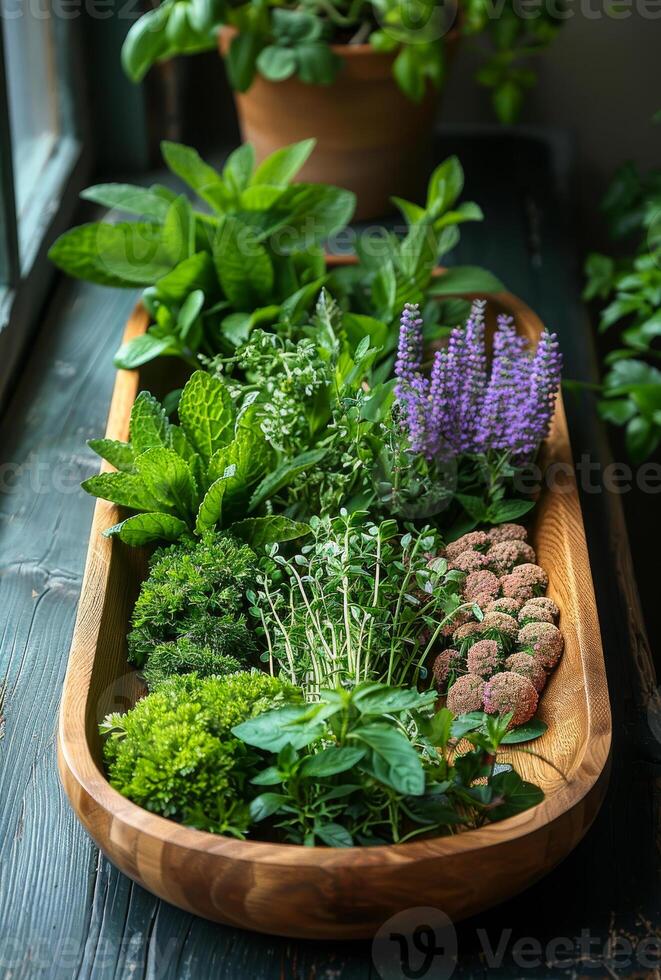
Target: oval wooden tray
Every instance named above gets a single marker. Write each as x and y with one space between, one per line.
342 893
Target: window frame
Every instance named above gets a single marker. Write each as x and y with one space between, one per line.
27 277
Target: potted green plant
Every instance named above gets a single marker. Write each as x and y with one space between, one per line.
357 75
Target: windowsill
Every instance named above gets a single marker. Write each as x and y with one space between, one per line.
48 214
44 203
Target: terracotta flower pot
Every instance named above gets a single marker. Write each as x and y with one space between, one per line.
371 138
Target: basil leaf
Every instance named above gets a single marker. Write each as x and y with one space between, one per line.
393 759
272 730
517 795
145 43
265 805
333 834
241 59
331 761
317 64
525 733
276 63
508 510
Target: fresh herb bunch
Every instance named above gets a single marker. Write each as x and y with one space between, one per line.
255 262
360 602
487 419
174 752
374 764
195 591
318 407
184 656
249 256
394 270
280 42
631 286
293 383
187 479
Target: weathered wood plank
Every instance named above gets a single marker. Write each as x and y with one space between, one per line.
46 862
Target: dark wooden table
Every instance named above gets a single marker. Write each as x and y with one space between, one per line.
64 911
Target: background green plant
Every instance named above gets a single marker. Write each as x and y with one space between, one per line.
281 41
631 288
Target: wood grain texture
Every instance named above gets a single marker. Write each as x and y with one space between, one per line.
329 893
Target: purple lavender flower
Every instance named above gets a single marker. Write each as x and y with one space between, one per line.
463 408
412 388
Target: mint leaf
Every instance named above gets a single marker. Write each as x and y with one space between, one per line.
244 267
178 234
260 531
239 166
128 197
125 489
187 164
195 272
249 456
169 480
445 185
140 350
126 254
148 426
283 475
211 509
206 412
143 528
282 166
118 454
465 279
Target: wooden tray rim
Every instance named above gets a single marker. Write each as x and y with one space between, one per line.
79 769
